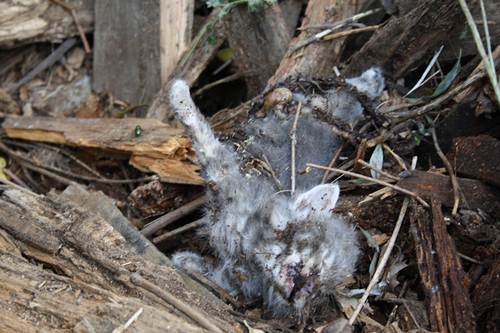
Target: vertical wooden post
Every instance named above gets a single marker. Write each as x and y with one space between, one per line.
137 44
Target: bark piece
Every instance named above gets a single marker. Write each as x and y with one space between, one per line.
93 266
160 148
475 194
405 42
485 298
443 278
104 206
137 44
477 157
28 21
260 39
317 59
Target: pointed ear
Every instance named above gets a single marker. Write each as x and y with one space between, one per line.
319 201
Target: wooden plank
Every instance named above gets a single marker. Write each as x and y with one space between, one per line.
443 278
160 148
137 44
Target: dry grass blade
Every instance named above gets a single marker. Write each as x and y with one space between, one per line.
487 58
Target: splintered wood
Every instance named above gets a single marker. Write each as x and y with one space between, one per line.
443 278
96 282
156 148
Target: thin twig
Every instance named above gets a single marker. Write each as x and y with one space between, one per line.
344 22
271 171
329 30
130 321
293 136
46 63
15 178
378 181
173 216
202 319
383 261
226 79
40 166
382 172
449 168
72 11
398 159
178 231
351 32
334 160
404 115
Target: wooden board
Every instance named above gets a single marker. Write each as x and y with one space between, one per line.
160 148
137 44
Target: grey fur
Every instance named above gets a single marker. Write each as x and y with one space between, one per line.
290 251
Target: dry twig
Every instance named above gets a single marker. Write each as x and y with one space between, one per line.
449 168
70 9
293 136
378 181
173 216
192 313
383 261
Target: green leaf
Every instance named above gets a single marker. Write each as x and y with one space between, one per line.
448 79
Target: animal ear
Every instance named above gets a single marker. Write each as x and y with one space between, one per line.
318 201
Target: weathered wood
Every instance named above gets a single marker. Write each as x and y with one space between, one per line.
443 278
485 298
317 59
190 66
406 41
476 195
477 157
28 21
260 39
91 283
160 148
137 44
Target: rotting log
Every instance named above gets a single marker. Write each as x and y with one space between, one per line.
137 44
404 42
65 250
28 21
443 278
158 148
477 157
476 195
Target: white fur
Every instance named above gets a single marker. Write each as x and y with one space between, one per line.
291 251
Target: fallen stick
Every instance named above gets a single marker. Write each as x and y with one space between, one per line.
173 216
380 182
